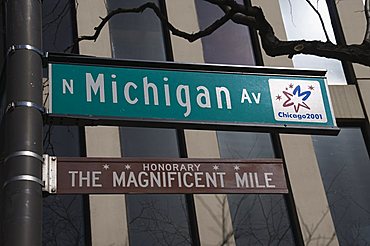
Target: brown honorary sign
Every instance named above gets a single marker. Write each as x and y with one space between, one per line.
123 176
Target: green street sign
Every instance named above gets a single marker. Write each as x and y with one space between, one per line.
191 97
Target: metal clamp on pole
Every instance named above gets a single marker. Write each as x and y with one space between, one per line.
23 153
23 178
14 105
14 48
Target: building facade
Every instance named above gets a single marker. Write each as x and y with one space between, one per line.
328 201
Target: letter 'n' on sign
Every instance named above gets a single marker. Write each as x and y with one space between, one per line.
68 86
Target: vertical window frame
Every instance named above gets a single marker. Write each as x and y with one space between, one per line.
348 69
289 199
180 134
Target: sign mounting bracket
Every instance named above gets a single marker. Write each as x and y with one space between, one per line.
49 174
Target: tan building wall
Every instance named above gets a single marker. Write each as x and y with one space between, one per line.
107 212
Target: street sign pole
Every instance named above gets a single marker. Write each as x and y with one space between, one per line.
22 204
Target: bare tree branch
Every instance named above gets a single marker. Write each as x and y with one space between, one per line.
254 17
190 37
320 17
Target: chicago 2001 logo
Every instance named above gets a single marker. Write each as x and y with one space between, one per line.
297 100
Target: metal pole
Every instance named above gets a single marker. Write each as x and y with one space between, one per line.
22 219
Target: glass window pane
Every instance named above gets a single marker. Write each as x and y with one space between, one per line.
257 219
158 220
57 25
136 36
310 28
152 142
235 49
260 220
345 169
63 221
62 140
63 215
152 219
245 145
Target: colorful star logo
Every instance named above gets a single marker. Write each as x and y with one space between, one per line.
297 98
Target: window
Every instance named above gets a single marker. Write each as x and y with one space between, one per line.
345 169
235 49
136 36
152 219
64 216
310 28
257 219
58 25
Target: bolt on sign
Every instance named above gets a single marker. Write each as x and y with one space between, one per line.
217 97
123 176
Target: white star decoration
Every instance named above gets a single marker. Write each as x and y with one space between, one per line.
236 167
127 167
216 167
106 166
